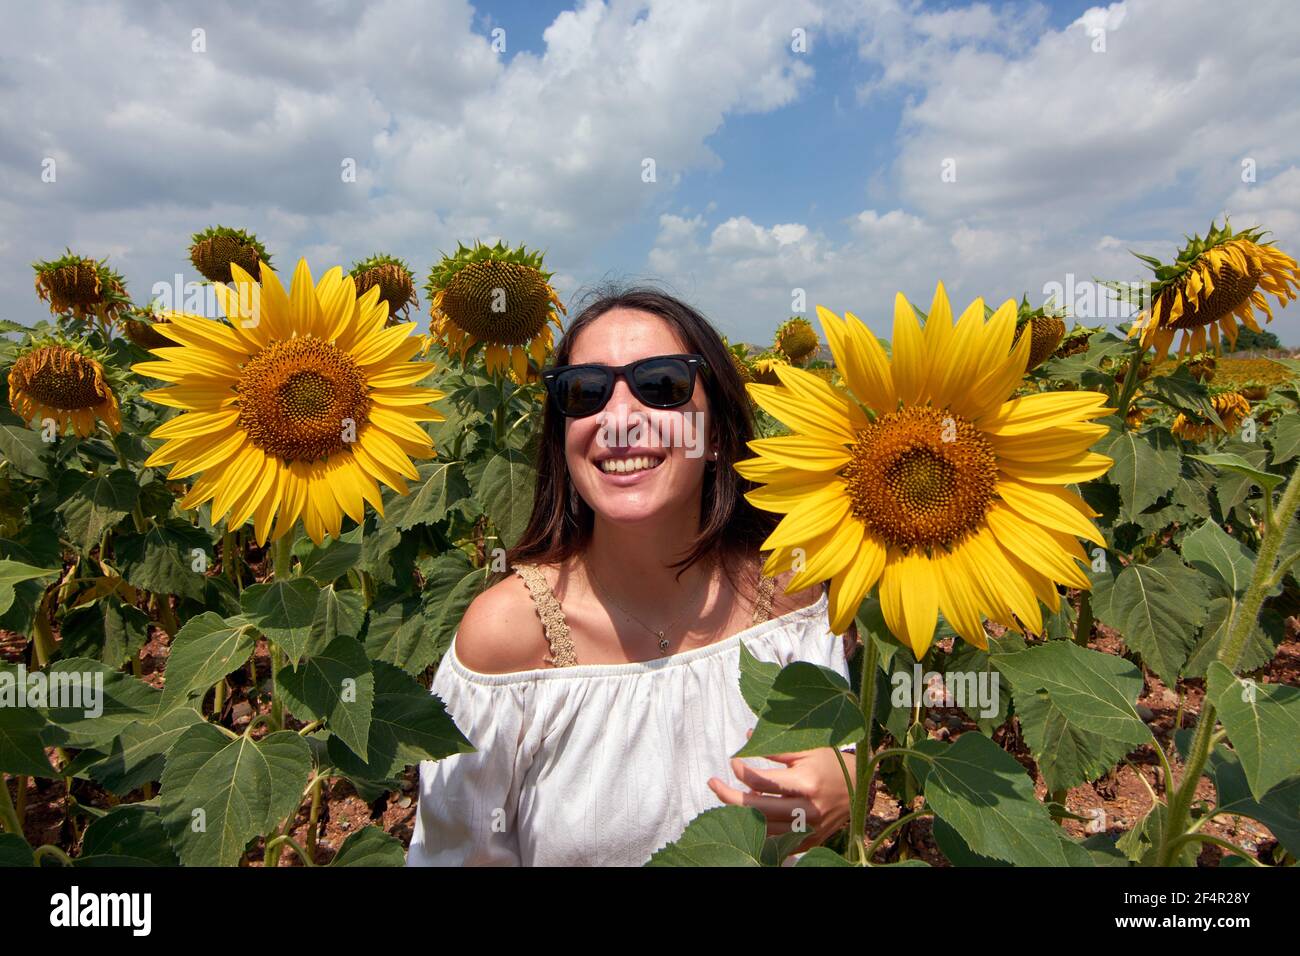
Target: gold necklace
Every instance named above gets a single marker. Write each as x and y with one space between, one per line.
663 641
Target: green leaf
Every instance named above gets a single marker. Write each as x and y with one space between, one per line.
1076 709
15 851
22 750
24 450
334 685
137 755
824 856
370 846
1157 608
756 679
330 562
129 835
98 505
99 703
722 836
1146 467
338 614
162 560
1213 551
441 484
1279 809
506 491
1286 438
1226 461
107 630
15 572
984 794
413 633
808 706
205 650
283 611
218 793
1261 644
1263 724
408 725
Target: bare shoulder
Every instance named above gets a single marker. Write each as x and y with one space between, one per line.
783 603
500 632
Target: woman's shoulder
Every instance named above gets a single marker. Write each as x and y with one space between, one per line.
500 632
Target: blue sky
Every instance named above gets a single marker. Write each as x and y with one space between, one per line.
776 169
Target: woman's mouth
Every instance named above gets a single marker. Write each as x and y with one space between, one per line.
632 465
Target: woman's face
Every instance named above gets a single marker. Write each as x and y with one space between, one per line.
674 442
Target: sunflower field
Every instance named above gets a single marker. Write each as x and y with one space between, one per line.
235 543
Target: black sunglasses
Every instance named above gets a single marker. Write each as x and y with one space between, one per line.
661 381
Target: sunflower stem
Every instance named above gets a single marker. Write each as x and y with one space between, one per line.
1083 626
865 763
282 557
8 816
1243 621
42 636
1130 383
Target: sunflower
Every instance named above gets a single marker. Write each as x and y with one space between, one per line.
394 278
1045 332
1075 341
1213 283
501 297
765 366
139 328
942 488
213 251
1232 409
795 340
82 286
66 382
297 406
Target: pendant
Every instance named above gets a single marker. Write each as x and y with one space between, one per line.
663 642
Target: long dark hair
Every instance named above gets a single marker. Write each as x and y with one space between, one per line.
731 529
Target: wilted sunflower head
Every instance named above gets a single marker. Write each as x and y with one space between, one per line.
1201 366
1231 407
81 285
1046 331
1214 283
927 477
297 407
213 251
395 280
66 382
795 339
498 296
139 327
1075 340
765 366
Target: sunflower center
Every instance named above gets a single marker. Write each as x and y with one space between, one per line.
60 378
302 399
503 303
1231 289
921 477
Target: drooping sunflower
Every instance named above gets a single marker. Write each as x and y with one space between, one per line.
1231 407
795 339
765 367
926 478
1075 341
395 280
1045 331
139 327
495 295
214 250
297 406
1213 284
65 381
82 286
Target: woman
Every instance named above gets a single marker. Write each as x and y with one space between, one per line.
599 680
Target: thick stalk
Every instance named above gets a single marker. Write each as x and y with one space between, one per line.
283 560
1229 655
1083 626
313 817
42 636
865 765
8 816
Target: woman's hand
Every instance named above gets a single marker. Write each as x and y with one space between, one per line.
809 792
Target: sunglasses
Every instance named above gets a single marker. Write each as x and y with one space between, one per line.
661 381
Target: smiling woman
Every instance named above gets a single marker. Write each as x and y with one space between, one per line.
599 682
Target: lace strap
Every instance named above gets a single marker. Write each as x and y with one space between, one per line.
552 615
763 606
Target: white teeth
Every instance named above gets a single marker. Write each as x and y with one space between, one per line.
623 466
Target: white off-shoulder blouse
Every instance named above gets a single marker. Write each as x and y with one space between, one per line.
597 764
